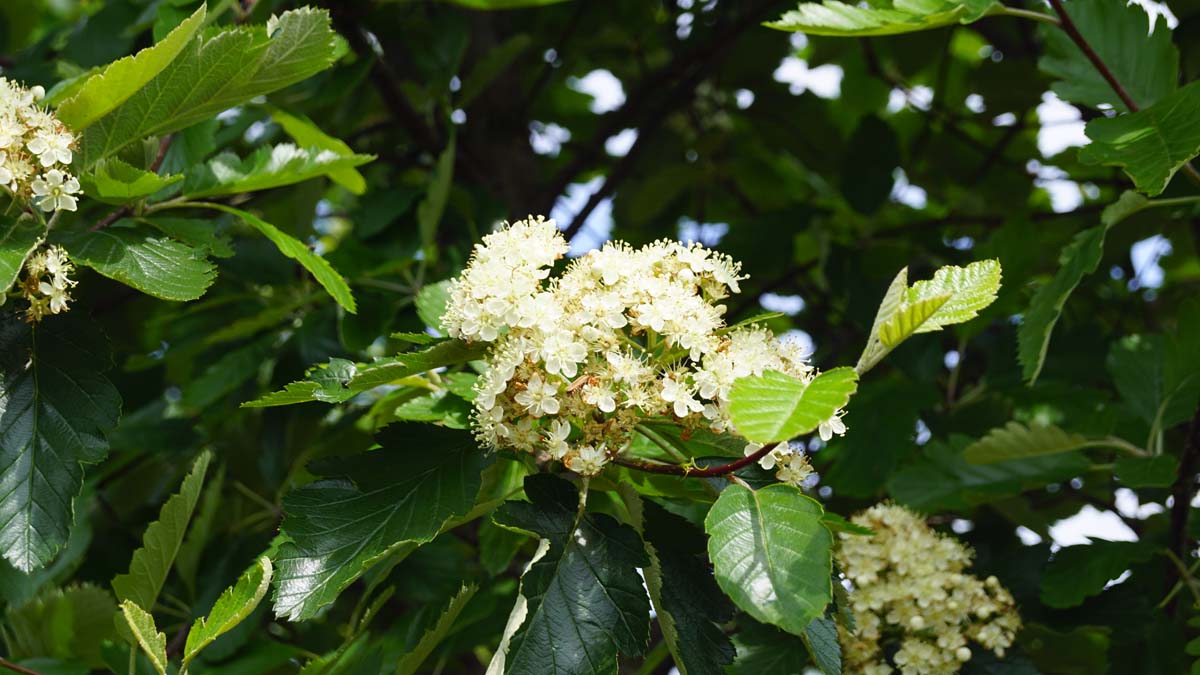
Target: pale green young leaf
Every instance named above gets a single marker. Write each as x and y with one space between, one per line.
1151 144
1078 259
881 18
909 318
1016 441
18 237
953 295
775 407
268 167
114 181
152 642
234 605
153 264
431 304
150 564
771 554
437 632
308 135
1146 65
58 406
216 71
295 249
971 289
105 90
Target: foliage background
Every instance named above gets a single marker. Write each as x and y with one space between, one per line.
824 164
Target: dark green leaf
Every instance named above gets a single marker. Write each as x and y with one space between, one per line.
55 408
821 638
1141 472
1078 572
422 477
582 600
436 633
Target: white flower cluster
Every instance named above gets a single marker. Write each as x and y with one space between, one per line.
621 337
910 588
47 283
35 150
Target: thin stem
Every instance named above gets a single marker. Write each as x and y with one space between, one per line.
1027 14
1177 587
695 471
661 442
1072 30
5 663
1118 444
1183 574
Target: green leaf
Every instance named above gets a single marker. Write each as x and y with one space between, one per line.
953 295
340 380
214 72
1079 572
18 237
1078 259
308 135
269 167
1143 472
1147 66
430 210
1162 391
55 408
152 642
775 407
198 233
436 633
1151 144
431 304
691 608
187 559
155 265
582 597
942 479
880 18
771 554
62 623
821 638
420 479
908 319
234 605
152 562
1127 204
114 181
441 407
104 91
293 248
491 66
1083 649
1017 441
227 373
504 4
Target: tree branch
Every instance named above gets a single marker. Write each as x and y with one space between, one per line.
1072 30
9 665
1184 489
696 472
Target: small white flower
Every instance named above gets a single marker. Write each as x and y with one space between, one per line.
587 460
601 397
51 147
680 396
831 426
556 438
538 397
54 189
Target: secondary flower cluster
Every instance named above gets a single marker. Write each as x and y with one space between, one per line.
35 150
621 337
47 283
910 589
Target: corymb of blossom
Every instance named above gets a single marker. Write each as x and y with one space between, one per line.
912 599
623 336
47 283
35 150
